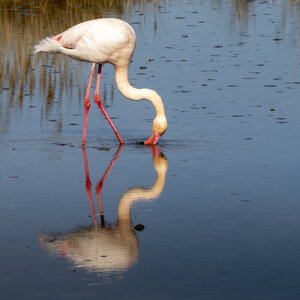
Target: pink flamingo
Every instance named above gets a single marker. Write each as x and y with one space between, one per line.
103 41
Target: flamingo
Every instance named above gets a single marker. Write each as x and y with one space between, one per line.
101 41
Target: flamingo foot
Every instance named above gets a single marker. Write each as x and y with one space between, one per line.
153 139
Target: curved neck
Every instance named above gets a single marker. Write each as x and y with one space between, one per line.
132 93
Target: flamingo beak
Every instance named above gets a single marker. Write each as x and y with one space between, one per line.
153 139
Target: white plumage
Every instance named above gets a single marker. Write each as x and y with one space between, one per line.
103 41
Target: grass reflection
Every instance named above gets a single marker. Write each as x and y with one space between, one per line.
24 22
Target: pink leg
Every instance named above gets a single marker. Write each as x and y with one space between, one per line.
87 104
99 103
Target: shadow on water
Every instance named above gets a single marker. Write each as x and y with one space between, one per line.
106 248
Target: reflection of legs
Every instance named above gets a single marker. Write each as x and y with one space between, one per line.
88 187
99 103
87 104
101 182
98 192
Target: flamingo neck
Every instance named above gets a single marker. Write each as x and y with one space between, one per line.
134 94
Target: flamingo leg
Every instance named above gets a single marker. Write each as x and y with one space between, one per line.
87 104
99 103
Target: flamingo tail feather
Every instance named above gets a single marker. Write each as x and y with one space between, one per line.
48 45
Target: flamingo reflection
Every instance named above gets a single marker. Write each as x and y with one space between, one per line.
105 248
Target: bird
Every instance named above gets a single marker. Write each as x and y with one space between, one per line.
101 41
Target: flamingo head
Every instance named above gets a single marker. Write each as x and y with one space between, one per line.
158 129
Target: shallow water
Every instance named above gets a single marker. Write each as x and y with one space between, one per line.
210 213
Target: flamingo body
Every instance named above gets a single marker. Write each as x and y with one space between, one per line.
103 41
97 41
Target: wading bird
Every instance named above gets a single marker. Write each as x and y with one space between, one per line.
103 41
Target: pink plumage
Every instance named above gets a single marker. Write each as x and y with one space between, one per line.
103 41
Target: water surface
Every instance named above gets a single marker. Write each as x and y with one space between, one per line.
210 213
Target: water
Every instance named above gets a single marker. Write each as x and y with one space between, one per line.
211 213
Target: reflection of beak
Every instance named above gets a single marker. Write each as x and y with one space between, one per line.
155 151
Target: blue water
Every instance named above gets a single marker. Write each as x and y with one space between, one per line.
223 219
